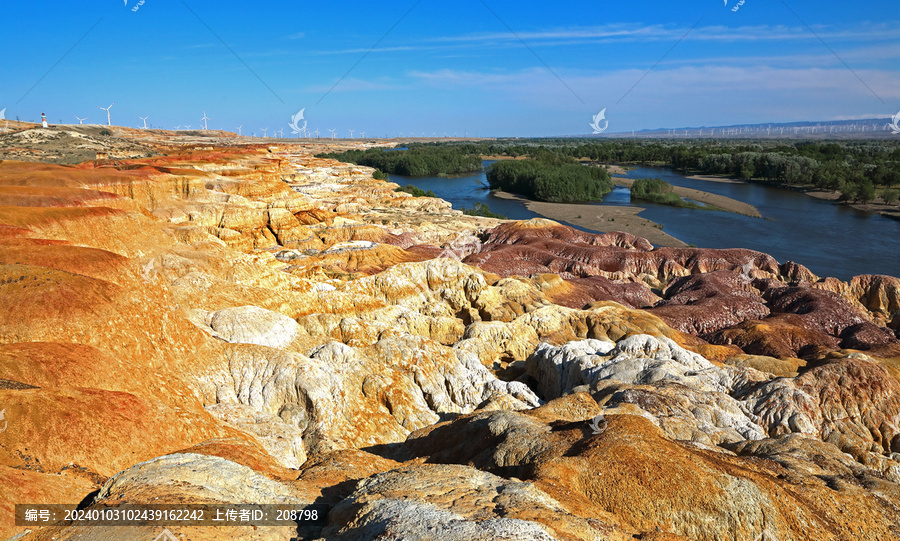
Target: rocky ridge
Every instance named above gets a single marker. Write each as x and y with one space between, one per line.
256 324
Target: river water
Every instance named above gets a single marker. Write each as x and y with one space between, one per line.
830 239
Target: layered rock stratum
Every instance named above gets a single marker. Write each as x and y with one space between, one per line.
251 324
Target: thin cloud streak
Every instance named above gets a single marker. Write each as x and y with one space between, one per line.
578 36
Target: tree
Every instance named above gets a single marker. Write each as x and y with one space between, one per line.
747 171
849 191
866 191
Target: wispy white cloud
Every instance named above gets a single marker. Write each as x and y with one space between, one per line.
351 84
631 32
688 94
360 50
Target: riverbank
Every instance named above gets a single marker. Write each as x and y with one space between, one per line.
603 218
722 202
888 211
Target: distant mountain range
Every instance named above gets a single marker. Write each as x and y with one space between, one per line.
873 128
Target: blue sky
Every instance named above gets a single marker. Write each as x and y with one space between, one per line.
492 67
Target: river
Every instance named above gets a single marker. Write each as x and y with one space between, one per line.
830 239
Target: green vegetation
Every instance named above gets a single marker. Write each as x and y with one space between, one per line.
416 192
845 166
379 175
105 132
550 177
859 170
415 162
661 192
480 209
657 191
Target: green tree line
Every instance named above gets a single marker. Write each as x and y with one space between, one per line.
860 170
415 162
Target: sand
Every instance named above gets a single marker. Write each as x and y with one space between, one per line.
600 218
721 201
711 178
876 206
607 218
615 169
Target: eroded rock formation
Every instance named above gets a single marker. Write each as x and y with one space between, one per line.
248 324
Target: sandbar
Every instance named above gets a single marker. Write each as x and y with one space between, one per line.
601 218
721 201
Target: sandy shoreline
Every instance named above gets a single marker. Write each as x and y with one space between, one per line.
712 178
888 211
721 201
608 218
603 218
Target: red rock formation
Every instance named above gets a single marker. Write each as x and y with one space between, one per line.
781 335
701 304
822 310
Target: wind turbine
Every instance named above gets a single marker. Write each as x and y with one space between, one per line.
317 133
80 120
351 133
144 118
362 135
281 133
265 130
204 119
239 129
187 126
177 127
108 119
332 134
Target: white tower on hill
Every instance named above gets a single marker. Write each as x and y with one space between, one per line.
108 118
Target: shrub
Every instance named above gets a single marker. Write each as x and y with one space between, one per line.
481 209
416 192
661 192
